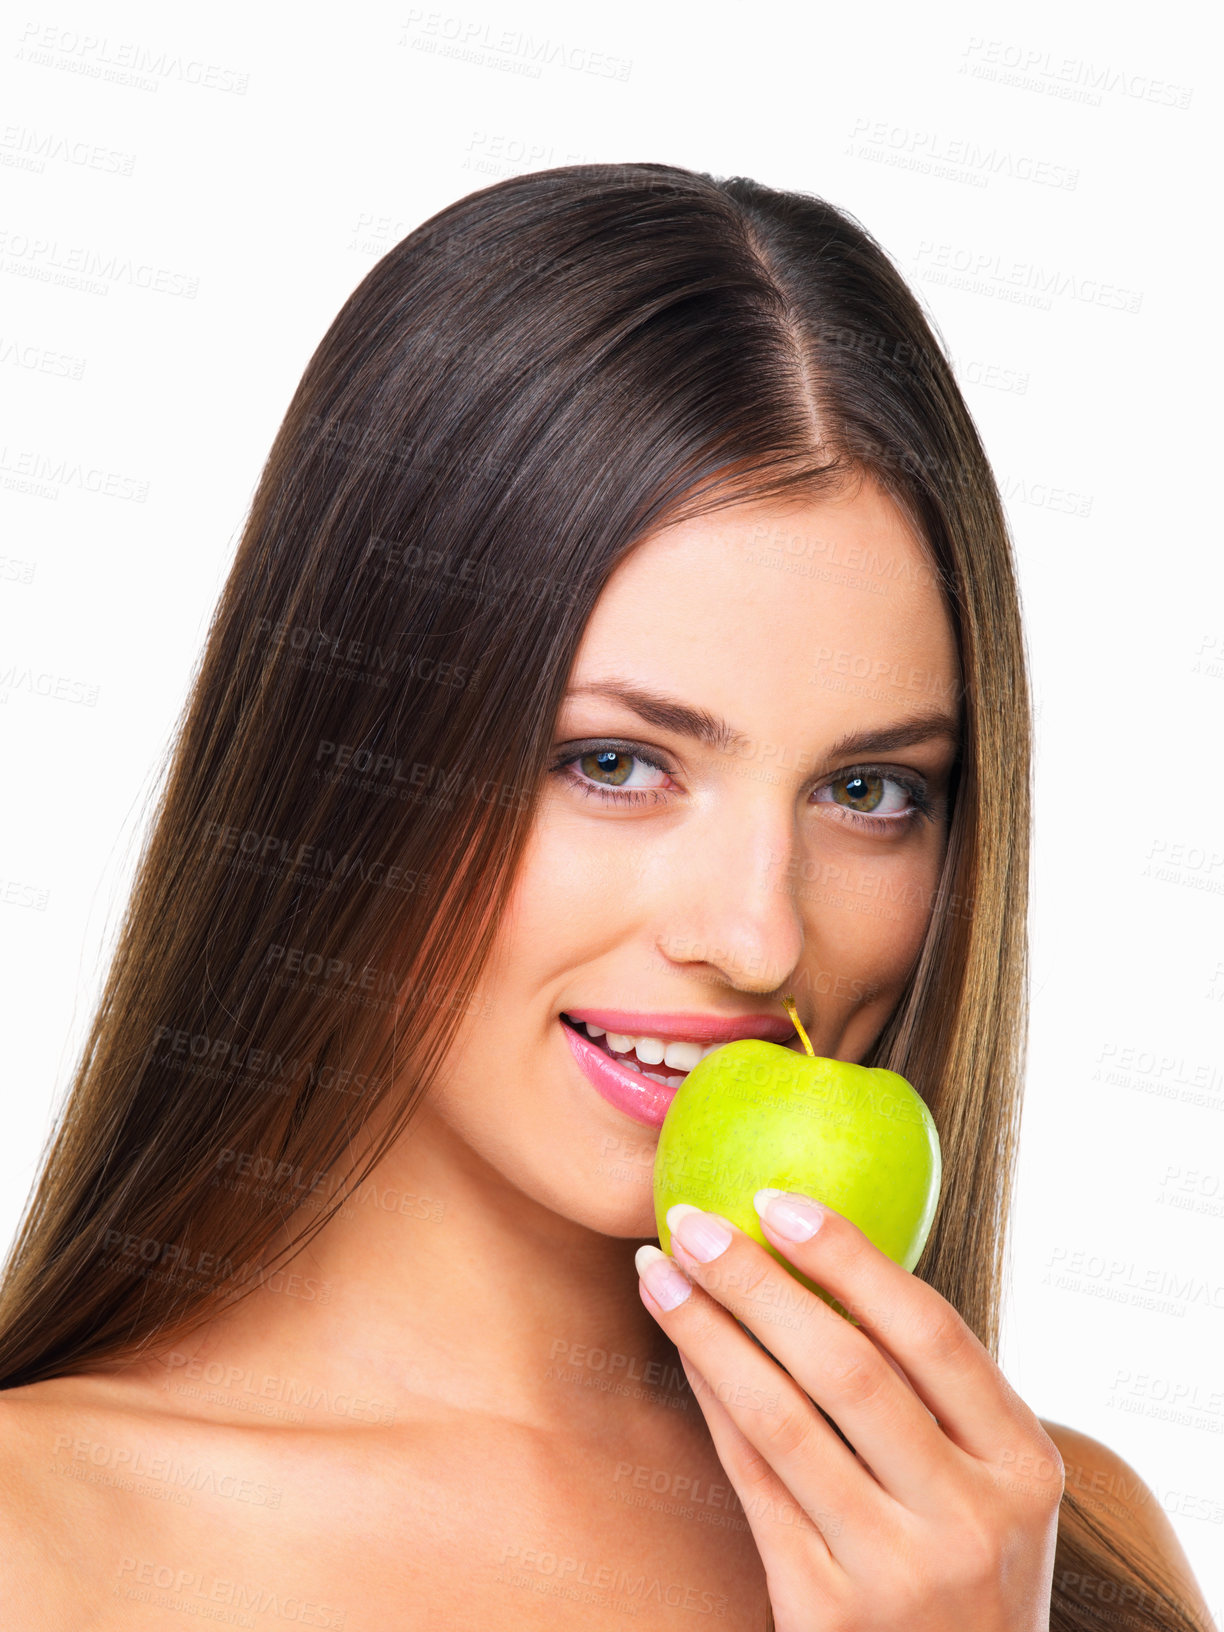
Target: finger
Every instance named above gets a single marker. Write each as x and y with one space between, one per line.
949 1368
837 1363
791 1541
762 1494
771 1410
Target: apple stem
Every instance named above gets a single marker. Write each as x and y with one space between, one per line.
797 1023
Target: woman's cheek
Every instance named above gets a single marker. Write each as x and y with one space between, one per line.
866 918
572 878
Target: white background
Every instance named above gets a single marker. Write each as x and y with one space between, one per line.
259 164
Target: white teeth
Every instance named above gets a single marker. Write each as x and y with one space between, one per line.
668 1082
680 1055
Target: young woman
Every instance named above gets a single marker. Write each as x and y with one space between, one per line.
624 636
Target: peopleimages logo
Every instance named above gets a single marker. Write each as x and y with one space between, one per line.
133 1463
124 62
191 1591
47 261
1076 79
1161 1290
473 40
1024 282
953 157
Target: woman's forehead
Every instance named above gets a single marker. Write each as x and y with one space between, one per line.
794 598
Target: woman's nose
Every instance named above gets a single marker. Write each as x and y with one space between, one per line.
730 904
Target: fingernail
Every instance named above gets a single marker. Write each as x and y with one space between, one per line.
794 1217
703 1234
666 1282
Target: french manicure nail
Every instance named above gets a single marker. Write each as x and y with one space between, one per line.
794 1217
663 1278
703 1234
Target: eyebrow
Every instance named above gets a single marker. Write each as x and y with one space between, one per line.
670 714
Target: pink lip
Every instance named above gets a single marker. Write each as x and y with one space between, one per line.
640 1097
696 1028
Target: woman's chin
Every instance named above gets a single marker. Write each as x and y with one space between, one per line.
615 1205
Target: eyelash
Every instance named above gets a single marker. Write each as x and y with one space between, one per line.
922 807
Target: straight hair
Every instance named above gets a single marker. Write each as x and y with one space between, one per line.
538 377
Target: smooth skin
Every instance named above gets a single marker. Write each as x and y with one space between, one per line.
451 1430
924 1523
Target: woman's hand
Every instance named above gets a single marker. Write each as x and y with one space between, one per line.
944 1514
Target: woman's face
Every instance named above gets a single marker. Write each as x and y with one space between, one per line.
675 881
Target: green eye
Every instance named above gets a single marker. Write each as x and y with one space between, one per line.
603 763
864 788
868 791
600 770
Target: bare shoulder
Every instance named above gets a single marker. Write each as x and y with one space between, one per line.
1111 1489
48 1519
97 1470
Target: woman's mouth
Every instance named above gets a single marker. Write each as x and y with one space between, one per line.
639 1075
665 1062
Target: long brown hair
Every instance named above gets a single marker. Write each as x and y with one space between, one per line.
520 390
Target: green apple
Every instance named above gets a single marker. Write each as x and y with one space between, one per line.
755 1114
